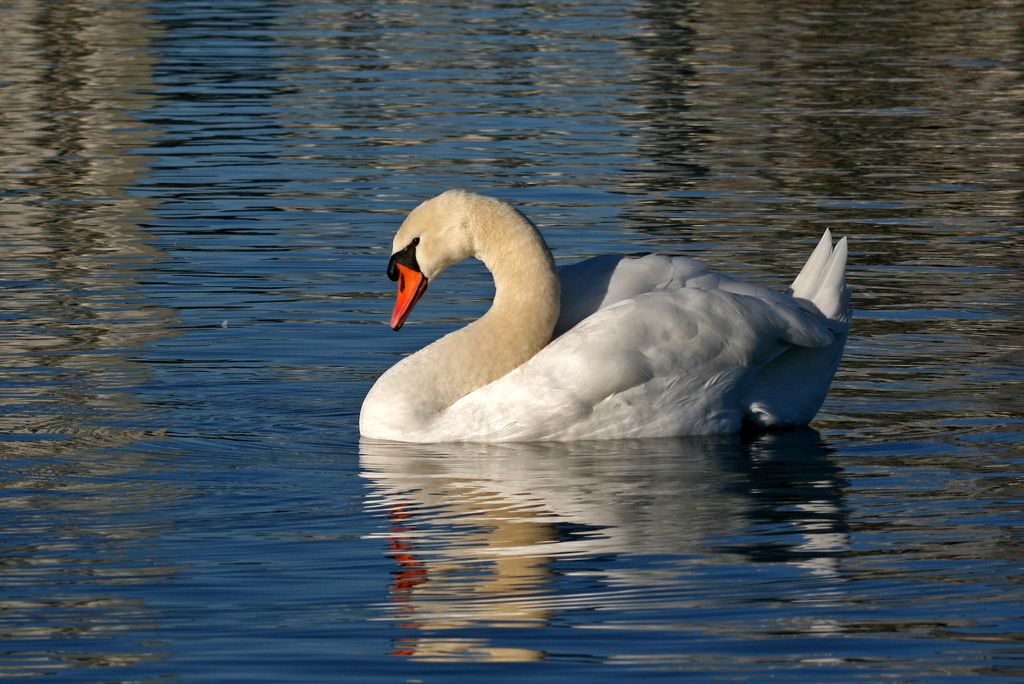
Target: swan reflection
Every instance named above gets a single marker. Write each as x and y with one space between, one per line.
512 535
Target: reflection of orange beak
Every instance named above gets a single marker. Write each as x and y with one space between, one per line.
411 286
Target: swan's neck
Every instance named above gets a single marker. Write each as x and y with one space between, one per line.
519 323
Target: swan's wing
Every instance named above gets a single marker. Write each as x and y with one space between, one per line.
667 362
599 282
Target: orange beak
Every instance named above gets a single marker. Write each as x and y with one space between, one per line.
411 286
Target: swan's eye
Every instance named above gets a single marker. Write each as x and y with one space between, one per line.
406 257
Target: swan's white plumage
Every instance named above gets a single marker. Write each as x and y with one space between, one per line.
644 347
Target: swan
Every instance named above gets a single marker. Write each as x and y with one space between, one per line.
611 347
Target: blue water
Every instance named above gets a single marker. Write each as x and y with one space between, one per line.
196 210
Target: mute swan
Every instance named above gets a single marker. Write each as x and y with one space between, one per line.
611 347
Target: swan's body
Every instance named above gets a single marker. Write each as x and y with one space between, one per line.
611 347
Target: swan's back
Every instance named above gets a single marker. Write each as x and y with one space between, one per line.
596 283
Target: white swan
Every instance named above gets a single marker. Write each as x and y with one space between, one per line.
611 347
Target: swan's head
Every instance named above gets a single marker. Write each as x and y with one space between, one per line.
433 237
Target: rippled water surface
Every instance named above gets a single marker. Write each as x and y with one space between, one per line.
196 208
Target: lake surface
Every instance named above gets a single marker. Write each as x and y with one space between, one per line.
196 210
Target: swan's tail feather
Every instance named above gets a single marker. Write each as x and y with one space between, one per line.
822 280
790 389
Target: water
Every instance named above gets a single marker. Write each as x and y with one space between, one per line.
197 204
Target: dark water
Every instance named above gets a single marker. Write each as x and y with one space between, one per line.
197 204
